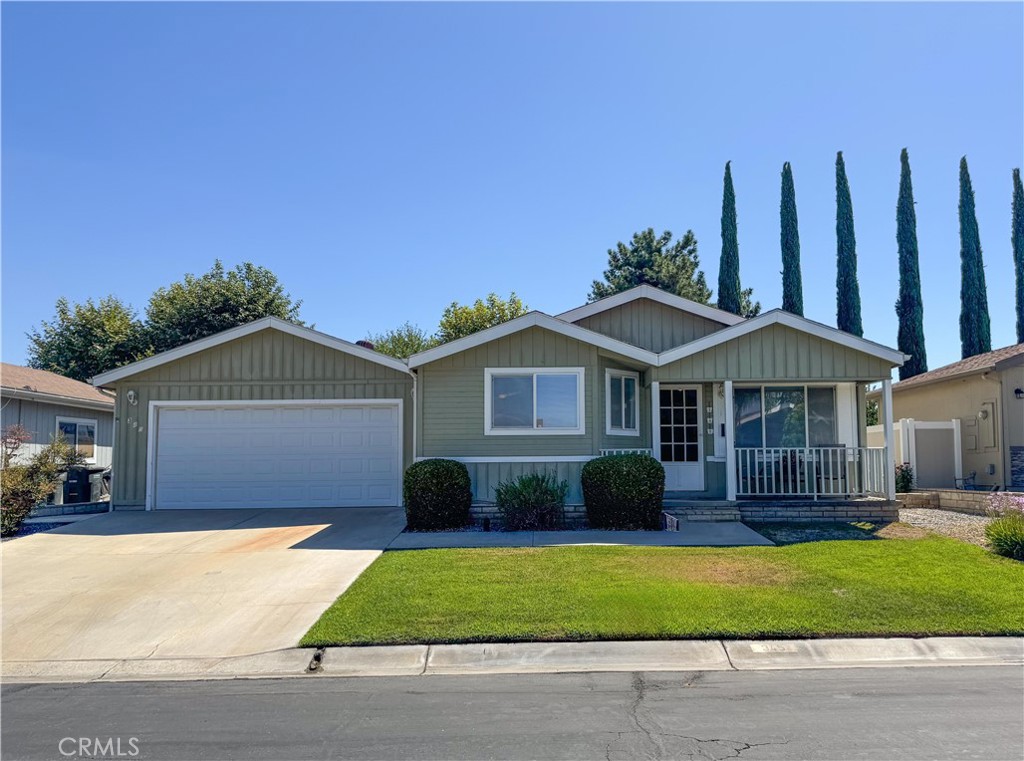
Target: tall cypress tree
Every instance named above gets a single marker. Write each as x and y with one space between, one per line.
909 306
730 295
792 284
1017 238
975 328
847 288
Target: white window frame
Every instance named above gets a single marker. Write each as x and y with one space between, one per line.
783 384
81 421
491 372
608 375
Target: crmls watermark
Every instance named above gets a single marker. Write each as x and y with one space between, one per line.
99 747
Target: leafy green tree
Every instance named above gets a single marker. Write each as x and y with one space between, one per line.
25 481
656 260
402 342
460 320
792 282
200 306
730 294
1017 238
909 305
847 288
975 328
84 340
872 412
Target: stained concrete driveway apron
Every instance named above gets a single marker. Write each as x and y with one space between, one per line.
182 584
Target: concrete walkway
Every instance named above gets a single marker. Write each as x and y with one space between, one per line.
690 534
541 658
181 583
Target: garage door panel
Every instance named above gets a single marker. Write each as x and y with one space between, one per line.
279 456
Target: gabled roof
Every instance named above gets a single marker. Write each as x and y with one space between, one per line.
979 363
780 317
654 294
244 330
27 382
534 319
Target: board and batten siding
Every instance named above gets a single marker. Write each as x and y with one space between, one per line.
650 325
269 364
776 353
40 420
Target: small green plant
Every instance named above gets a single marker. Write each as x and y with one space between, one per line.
1005 533
26 483
624 491
532 502
438 494
904 478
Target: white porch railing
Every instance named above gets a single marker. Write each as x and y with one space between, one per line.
830 472
605 452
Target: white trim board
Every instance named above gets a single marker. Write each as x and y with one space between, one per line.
779 317
240 332
654 294
155 405
513 458
534 319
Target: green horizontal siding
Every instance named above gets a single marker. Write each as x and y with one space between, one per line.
776 352
265 365
650 324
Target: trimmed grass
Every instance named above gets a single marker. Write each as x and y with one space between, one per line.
847 587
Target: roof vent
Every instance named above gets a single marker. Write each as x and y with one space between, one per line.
366 345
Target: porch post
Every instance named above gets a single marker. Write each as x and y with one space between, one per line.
730 444
656 420
890 453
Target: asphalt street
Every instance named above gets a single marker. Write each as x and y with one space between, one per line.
891 713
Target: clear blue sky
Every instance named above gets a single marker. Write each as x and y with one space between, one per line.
386 160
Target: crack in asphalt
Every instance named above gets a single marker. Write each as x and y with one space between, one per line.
652 735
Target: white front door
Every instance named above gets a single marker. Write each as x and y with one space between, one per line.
681 445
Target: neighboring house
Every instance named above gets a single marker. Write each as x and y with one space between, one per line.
276 414
46 403
984 397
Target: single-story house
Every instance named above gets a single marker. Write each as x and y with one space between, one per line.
46 404
276 414
983 397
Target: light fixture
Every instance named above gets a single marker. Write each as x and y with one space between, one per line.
1019 393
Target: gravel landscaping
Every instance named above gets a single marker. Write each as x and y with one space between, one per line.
962 526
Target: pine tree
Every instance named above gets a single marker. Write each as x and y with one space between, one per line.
909 306
847 289
792 284
975 328
1017 238
730 294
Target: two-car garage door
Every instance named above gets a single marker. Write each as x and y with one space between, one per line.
277 455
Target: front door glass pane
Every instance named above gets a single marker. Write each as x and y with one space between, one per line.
785 422
821 417
680 431
747 410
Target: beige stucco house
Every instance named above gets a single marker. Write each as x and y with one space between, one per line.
276 414
984 396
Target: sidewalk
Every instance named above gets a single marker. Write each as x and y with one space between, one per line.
541 658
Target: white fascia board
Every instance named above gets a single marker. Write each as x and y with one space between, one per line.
654 294
779 317
67 401
240 332
533 319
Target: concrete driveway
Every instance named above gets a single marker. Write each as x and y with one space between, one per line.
183 584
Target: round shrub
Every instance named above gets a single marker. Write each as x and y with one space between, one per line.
437 495
624 491
1006 535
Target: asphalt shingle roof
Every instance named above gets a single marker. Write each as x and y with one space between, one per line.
976 364
45 382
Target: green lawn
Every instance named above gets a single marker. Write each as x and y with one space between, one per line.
901 586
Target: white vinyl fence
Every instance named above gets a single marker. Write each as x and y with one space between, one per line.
931 448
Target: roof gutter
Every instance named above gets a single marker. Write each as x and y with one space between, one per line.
68 401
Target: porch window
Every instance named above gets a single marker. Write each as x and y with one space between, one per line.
785 416
527 401
622 414
81 434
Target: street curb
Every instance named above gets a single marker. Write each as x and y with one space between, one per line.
540 658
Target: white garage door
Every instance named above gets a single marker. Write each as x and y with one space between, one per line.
278 456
